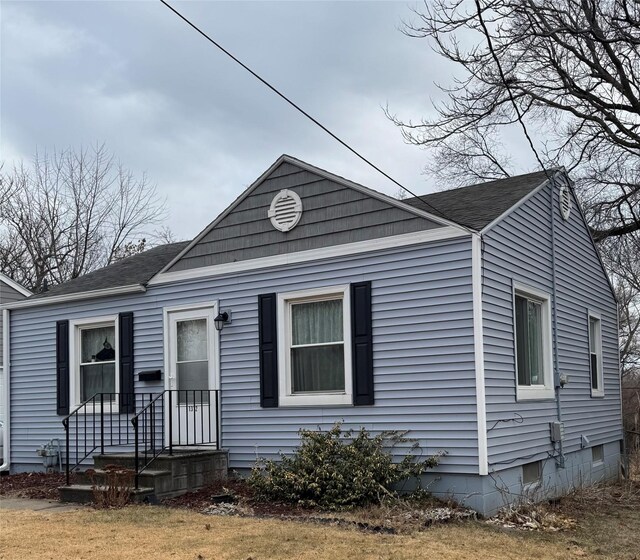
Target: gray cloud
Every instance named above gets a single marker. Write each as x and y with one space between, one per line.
166 102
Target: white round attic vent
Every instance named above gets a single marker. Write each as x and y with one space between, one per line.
565 201
285 210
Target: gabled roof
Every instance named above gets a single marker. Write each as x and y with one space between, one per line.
421 212
471 208
476 206
137 269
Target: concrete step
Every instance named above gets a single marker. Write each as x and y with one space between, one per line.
159 480
84 494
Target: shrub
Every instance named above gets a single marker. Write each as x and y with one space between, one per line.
113 489
338 469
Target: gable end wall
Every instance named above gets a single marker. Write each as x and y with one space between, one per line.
519 249
333 214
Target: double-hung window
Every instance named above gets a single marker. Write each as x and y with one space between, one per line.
314 339
595 356
94 359
534 367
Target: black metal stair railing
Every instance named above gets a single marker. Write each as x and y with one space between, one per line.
192 420
97 424
162 421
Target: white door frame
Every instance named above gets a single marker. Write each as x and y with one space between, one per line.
214 358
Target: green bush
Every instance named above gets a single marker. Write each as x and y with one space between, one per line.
338 469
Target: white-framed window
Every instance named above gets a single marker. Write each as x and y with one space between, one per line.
597 454
532 333
595 355
532 473
94 360
314 347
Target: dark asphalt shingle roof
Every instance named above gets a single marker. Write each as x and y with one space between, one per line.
476 206
138 269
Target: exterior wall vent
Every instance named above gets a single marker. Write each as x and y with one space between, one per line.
285 210
565 202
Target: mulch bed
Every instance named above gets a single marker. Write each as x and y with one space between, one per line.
240 491
38 486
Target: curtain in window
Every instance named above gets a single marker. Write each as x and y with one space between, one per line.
317 368
94 341
97 378
97 357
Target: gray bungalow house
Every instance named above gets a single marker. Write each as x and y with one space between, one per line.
480 319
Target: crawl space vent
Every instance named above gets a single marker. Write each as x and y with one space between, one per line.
565 202
285 210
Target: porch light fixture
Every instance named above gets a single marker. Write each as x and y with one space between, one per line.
221 319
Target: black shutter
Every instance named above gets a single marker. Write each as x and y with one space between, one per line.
125 350
268 325
362 346
62 367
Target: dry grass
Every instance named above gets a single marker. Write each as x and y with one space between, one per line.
153 532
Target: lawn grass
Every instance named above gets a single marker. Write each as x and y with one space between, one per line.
140 532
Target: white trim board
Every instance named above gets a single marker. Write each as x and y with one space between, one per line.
358 247
322 173
478 343
13 284
130 289
6 318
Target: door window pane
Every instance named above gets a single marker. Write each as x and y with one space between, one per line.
192 378
192 340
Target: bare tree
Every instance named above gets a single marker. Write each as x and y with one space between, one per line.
70 212
569 69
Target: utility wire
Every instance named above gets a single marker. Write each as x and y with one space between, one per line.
302 111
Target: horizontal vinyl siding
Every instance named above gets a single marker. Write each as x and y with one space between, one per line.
423 354
519 249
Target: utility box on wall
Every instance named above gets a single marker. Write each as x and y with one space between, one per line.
557 431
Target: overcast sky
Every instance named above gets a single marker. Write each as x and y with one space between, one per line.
132 75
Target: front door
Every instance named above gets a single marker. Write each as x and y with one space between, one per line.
191 377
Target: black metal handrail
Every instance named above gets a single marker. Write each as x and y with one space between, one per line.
98 423
150 438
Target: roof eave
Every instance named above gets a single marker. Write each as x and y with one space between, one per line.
14 285
77 296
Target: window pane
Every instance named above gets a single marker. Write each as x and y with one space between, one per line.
97 378
192 375
535 342
594 371
593 334
98 345
317 322
524 375
192 340
317 368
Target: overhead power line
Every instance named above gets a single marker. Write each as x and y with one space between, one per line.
302 111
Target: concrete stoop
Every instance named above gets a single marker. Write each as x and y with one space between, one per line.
166 477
